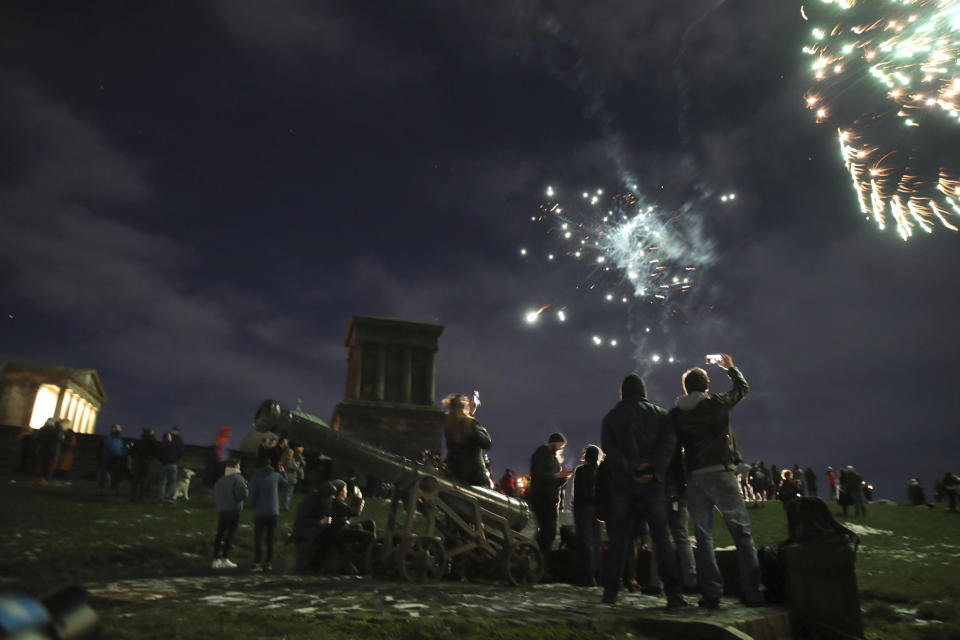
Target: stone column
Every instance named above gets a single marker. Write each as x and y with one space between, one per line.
407 375
60 397
356 367
381 372
432 382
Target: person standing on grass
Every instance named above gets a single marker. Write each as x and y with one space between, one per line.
702 421
853 486
810 482
290 468
49 443
547 479
229 493
585 513
169 453
112 454
265 487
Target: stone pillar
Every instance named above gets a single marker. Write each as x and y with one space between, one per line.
381 372
433 377
63 393
407 376
356 368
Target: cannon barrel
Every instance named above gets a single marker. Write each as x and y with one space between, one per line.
389 467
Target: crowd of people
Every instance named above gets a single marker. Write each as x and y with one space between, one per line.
658 464
48 452
661 469
846 486
654 471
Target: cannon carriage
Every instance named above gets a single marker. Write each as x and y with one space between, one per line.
469 529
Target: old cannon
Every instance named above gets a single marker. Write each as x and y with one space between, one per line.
466 527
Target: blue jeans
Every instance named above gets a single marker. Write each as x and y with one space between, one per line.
859 504
720 489
588 530
644 502
677 521
168 481
286 495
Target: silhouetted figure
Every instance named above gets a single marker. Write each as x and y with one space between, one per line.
951 486
585 513
703 425
547 479
810 481
466 441
915 493
639 440
788 491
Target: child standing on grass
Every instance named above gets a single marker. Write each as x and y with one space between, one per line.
265 487
229 492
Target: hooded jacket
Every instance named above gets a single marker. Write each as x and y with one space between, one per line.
636 432
265 486
703 425
230 491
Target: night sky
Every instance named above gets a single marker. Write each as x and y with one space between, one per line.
196 197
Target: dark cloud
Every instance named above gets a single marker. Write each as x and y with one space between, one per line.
201 228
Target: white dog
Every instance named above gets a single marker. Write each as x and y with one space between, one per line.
182 487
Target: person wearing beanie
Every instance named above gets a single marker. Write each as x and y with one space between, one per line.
639 442
547 478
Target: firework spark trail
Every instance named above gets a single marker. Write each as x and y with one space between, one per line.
884 70
630 253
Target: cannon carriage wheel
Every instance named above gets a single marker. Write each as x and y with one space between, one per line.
422 558
523 564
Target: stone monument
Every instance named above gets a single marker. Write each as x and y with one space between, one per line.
391 386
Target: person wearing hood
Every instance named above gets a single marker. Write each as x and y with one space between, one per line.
217 455
702 421
265 487
639 442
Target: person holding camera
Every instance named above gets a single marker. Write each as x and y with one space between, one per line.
639 442
702 422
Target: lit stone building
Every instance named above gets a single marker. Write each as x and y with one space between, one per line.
391 385
30 394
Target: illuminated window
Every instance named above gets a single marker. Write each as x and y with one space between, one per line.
44 405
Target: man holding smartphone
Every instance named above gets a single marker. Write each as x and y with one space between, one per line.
702 421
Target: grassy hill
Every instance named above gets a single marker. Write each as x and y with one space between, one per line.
54 535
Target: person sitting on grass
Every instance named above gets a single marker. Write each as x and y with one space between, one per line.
229 493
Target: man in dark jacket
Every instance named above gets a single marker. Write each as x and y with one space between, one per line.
547 478
639 443
143 455
810 482
702 421
169 453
